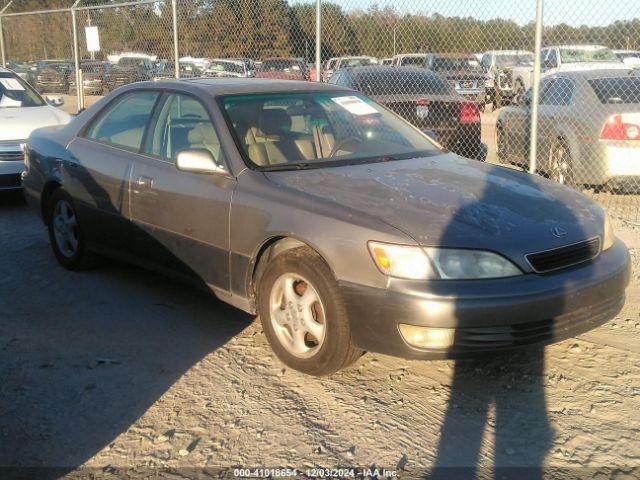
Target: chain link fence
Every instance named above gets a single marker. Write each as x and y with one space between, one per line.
460 70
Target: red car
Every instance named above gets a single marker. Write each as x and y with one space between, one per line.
284 69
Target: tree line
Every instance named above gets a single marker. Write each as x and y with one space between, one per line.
265 28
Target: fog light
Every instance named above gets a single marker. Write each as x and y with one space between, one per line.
427 337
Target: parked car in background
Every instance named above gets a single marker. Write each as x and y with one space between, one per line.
94 73
54 76
129 70
227 67
498 67
423 98
565 58
329 67
588 132
410 60
630 57
347 62
345 228
283 69
22 110
463 72
25 70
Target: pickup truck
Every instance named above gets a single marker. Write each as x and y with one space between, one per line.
566 58
498 67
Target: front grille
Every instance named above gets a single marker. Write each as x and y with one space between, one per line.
11 151
564 257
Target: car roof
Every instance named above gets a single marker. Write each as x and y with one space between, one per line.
508 52
391 70
453 55
596 74
228 86
587 48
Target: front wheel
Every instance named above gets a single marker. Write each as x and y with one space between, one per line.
303 314
65 233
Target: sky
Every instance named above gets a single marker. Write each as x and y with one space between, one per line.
572 12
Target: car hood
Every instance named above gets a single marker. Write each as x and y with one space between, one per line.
18 123
461 75
446 200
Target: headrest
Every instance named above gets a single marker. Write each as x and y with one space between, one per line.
275 121
201 133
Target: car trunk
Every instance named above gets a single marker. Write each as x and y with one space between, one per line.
437 113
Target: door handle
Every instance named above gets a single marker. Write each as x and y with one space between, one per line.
144 182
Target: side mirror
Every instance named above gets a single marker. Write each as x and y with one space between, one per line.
198 160
57 101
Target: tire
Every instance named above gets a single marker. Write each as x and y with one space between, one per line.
71 255
518 91
560 165
500 143
288 326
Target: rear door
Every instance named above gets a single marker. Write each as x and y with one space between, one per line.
182 219
97 176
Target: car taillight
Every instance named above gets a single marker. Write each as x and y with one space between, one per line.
617 127
469 113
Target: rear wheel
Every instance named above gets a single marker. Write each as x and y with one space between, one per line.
303 314
500 143
518 90
561 164
65 233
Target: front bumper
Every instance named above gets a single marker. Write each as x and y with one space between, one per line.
492 315
476 96
10 173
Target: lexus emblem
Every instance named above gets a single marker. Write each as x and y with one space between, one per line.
559 232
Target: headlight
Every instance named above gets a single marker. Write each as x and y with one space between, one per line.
609 236
417 263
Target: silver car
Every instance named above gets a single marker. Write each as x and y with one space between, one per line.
589 129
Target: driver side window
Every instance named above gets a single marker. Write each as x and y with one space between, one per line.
182 123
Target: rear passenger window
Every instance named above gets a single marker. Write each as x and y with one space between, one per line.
123 123
559 92
182 123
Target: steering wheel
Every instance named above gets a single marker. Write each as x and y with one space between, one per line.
343 143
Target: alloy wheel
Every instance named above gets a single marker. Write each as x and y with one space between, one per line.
297 315
65 228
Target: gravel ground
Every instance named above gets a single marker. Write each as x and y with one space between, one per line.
117 368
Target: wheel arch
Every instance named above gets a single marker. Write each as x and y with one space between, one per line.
47 191
269 249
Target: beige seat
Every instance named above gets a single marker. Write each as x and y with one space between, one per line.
273 142
203 136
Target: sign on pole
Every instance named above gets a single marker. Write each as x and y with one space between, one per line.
93 39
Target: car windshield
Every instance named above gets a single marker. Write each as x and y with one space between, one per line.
400 81
513 59
15 92
455 64
281 65
287 131
624 90
579 55
220 66
356 62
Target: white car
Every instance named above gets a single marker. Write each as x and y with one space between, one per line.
566 58
22 110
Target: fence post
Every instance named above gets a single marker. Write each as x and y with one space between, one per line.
2 52
76 55
318 40
176 53
535 97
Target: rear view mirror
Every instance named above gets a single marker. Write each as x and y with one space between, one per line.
56 101
198 161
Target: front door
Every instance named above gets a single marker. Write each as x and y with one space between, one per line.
181 219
